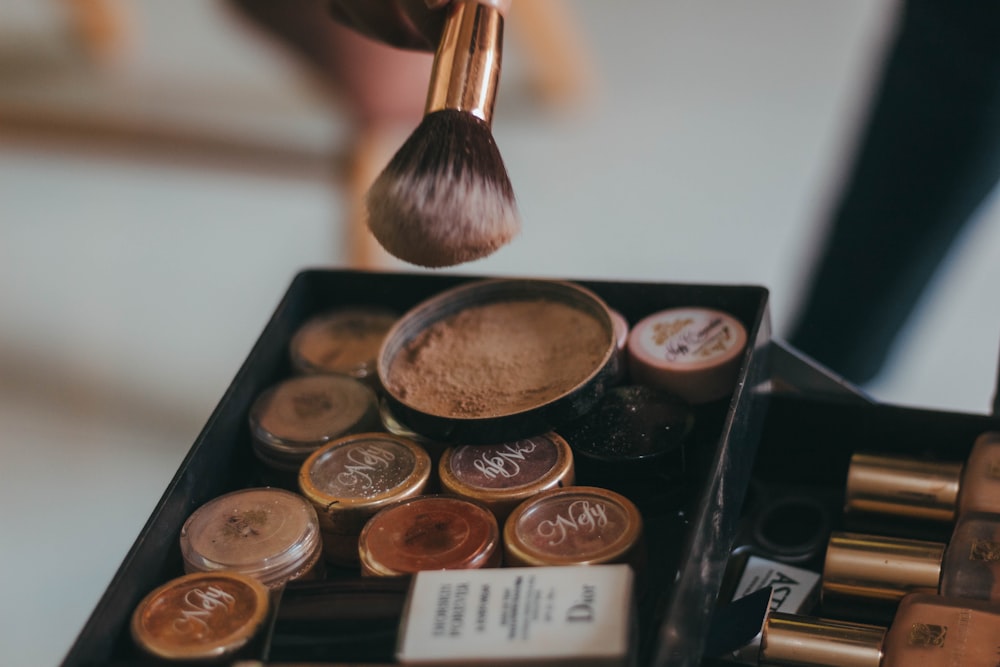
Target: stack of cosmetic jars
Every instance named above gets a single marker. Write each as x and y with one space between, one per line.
891 599
502 425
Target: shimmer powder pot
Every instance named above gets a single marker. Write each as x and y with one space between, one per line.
494 361
294 418
501 476
634 443
200 616
632 426
429 533
352 478
342 341
578 525
267 533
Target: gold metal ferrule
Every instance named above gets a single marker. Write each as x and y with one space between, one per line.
811 642
466 68
903 487
880 568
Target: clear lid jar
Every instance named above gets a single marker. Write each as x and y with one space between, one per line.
352 478
345 341
294 418
267 533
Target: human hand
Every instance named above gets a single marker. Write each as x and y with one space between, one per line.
408 24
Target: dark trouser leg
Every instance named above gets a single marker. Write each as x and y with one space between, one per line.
929 156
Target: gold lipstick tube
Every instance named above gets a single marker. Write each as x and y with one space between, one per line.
808 642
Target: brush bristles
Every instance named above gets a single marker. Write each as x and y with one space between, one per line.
445 197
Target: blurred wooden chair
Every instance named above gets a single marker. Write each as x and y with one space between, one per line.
101 27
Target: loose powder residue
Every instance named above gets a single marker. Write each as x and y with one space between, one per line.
498 359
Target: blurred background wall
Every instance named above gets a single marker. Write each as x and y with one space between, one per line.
165 171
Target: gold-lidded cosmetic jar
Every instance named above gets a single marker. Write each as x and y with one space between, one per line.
434 532
352 478
497 360
578 525
294 418
345 341
201 616
268 533
502 476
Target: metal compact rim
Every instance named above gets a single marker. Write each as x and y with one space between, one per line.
546 415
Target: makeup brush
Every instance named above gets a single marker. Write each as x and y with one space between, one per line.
445 197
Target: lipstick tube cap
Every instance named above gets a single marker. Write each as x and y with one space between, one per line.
904 487
871 567
802 641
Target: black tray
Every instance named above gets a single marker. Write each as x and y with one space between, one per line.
804 453
807 444
689 541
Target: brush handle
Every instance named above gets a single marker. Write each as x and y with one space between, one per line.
466 68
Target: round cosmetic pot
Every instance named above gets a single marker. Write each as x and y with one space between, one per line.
502 476
345 341
391 424
632 431
205 616
267 533
694 353
579 525
433 532
294 418
791 529
352 478
498 360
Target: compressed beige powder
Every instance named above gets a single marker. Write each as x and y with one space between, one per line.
498 359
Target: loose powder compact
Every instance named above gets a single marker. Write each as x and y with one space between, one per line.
497 360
